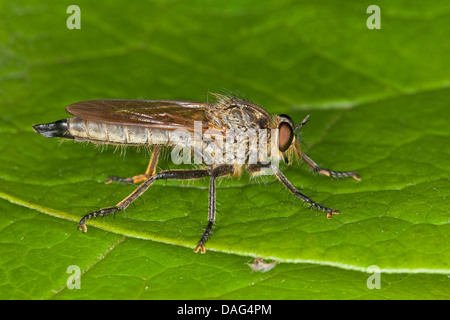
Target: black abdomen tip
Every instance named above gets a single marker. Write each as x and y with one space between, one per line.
53 130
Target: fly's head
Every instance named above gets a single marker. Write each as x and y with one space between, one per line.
288 143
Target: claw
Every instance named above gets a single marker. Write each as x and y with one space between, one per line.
82 227
329 215
201 248
131 180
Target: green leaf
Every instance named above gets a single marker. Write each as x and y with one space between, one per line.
378 101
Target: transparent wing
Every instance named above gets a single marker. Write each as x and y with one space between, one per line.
164 114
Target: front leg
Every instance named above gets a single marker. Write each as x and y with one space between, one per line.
300 195
328 172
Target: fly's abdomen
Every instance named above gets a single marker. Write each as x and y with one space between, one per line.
101 132
57 129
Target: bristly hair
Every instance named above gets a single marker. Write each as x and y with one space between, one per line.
225 100
225 94
294 152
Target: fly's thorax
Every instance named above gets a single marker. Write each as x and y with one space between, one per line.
101 132
235 113
234 147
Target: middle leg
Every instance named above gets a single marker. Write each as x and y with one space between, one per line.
215 172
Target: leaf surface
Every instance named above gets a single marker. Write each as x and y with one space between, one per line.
378 101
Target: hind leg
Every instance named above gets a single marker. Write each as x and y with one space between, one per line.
151 170
164 175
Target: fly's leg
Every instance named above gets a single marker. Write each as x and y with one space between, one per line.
151 170
328 172
300 195
122 205
211 215
216 172
323 171
171 175
258 168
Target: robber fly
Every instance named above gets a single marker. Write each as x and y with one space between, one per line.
151 122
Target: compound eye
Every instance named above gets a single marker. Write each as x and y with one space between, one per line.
285 136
